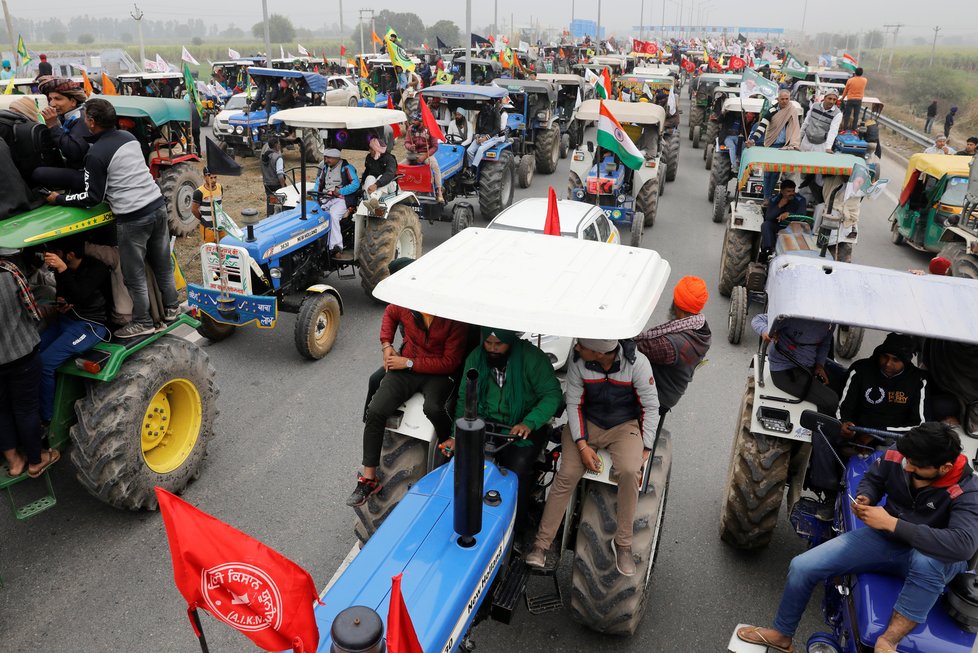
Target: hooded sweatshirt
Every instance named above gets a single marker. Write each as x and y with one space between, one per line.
874 400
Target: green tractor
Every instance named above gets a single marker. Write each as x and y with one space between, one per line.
138 412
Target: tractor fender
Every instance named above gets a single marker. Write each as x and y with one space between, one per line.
953 234
320 288
583 166
414 423
645 174
402 197
746 215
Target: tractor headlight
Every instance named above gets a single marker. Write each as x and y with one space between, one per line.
579 194
239 130
621 199
275 273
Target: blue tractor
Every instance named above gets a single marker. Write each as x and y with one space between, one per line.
492 180
283 261
276 90
533 122
774 433
456 542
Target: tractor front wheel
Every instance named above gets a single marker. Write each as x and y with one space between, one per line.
547 150
565 146
148 426
738 246
636 230
525 170
848 340
213 330
720 201
317 325
385 239
463 217
671 155
737 315
178 183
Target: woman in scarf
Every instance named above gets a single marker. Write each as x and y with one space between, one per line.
779 128
65 119
518 392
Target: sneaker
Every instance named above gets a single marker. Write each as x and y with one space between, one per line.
623 559
134 330
366 487
373 203
537 558
171 314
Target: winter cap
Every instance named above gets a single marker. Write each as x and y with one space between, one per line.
899 345
6 63
25 107
332 153
690 295
939 266
597 345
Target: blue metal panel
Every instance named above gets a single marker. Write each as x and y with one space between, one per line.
444 584
284 232
450 159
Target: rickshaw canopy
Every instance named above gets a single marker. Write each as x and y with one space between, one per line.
158 111
769 159
937 165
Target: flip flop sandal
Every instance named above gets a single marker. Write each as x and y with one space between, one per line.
53 456
752 635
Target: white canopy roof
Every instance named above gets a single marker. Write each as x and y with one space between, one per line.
639 113
750 105
874 298
339 117
534 283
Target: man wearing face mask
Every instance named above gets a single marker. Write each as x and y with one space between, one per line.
379 172
518 392
926 533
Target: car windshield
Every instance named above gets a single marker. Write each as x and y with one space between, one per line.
954 191
236 103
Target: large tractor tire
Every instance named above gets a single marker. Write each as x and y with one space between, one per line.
565 146
697 136
312 145
497 181
148 427
647 201
602 599
695 119
738 246
463 217
317 324
403 462
547 151
720 203
178 183
848 340
671 156
573 181
755 482
737 315
963 264
525 170
385 239
213 330
711 185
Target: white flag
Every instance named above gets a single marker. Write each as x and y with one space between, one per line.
302 50
671 103
281 51
161 65
189 58
234 54
149 64
577 103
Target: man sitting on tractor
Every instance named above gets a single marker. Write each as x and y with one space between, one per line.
432 349
611 404
337 188
423 144
783 205
927 481
821 125
379 172
778 128
488 123
519 392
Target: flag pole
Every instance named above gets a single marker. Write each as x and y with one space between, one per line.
198 628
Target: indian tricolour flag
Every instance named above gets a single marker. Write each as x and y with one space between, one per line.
612 136
601 89
848 62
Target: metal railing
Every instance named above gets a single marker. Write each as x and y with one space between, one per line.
906 132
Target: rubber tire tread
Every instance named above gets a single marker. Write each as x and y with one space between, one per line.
547 152
847 346
213 330
737 315
647 201
671 156
738 246
312 144
169 181
310 308
379 244
720 201
403 462
491 200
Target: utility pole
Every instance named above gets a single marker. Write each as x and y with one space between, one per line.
641 23
662 23
10 31
362 12
859 46
896 30
879 66
341 17
468 30
268 39
137 15
804 15
933 46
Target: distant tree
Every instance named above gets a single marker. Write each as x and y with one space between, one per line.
57 37
126 37
86 39
447 31
233 32
873 39
280 29
409 27
197 40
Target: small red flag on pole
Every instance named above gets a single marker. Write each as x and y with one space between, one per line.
342 50
552 226
395 128
401 637
428 119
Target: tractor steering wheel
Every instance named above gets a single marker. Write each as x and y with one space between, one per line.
453 139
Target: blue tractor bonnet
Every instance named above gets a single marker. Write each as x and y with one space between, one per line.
315 81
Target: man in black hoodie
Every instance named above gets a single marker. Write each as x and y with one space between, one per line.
926 533
379 172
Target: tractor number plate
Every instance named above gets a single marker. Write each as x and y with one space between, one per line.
234 308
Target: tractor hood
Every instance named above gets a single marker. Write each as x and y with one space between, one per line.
283 233
252 118
49 223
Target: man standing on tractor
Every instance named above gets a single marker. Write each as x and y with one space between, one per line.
821 125
205 199
379 172
518 391
424 145
777 128
337 188
852 99
783 205
116 172
612 404
272 170
65 119
432 350
927 532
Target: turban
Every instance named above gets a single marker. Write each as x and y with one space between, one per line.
690 295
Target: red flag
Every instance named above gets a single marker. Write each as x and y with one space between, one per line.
428 119
651 48
638 46
712 64
688 65
736 63
395 128
342 51
239 580
552 226
401 637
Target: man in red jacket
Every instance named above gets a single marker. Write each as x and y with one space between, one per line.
433 349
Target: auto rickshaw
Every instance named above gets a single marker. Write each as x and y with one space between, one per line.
932 199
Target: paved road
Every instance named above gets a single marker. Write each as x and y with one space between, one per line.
85 577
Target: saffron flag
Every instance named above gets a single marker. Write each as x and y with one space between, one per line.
395 128
239 580
506 57
108 88
612 137
428 120
25 56
376 39
234 54
364 73
401 636
552 226
189 58
87 84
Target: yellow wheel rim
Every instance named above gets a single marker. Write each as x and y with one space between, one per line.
171 426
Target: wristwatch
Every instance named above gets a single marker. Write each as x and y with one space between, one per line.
410 364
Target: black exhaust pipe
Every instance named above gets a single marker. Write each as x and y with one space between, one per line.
470 434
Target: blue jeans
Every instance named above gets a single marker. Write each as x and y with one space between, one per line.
861 551
731 143
141 241
65 338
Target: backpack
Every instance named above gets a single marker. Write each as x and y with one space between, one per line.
30 143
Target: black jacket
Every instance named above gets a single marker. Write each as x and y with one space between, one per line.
932 110
873 400
84 289
941 520
383 168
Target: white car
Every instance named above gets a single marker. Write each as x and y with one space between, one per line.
341 91
235 104
577 220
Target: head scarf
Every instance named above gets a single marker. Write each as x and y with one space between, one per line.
513 388
690 295
598 345
25 107
66 87
939 266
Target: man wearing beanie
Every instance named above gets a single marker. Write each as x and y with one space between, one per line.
611 404
676 348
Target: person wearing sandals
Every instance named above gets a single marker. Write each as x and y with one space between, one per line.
20 374
927 532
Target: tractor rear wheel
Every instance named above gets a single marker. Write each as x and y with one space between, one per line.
385 239
147 427
708 156
647 201
497 180
547 151
711 185
671 155
848 339
963 264
317 324
637 229
737 315
312 145
738 246
525 170
178 183
755 482
720 203
403 462
602 598
565 146
213 330
695 119
697 136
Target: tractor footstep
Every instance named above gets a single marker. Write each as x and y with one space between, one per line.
547 601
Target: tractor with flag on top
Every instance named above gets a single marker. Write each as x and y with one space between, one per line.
658 87
625 173
532 121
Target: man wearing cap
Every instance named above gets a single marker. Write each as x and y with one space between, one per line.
6 72
379 177
940 146
203 204
65 120
338 187
424 145
611 404
675 349
821 125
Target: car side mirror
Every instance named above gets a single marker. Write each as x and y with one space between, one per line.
590 147
818 423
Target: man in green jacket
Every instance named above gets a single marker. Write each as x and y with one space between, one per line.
518 390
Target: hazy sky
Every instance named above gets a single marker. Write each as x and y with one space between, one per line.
955 16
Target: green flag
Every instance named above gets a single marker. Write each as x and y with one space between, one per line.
753 83
25 56
191 84
794 67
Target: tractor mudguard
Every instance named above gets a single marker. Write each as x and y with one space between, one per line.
779 409
581 163
746 215
320 288
643 175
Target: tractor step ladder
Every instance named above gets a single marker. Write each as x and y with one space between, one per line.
27 510
549 599
507 595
